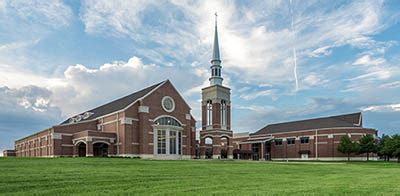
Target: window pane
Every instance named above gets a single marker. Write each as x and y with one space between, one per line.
172 142
161 142
179 143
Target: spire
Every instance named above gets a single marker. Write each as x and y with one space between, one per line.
216 45
216 78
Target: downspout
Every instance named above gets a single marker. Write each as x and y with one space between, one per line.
118 133
316 144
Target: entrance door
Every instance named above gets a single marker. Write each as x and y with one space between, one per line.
82 149
256 151
100 150
304 156
268 151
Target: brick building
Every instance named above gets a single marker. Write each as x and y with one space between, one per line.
152 123
312 139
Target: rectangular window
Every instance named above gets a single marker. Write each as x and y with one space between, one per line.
172 142
291 140
278 142
179 143
161 142
304 140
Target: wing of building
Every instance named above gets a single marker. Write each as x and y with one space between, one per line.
151 123
311 139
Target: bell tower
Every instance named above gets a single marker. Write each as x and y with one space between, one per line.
216 134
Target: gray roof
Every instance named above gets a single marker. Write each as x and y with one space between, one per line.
346 120
116 105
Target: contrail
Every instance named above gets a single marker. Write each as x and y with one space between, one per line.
294 50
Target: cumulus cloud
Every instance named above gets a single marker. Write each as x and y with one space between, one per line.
25 110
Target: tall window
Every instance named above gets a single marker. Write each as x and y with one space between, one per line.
223 112
172 142
161 142
179 143
209 112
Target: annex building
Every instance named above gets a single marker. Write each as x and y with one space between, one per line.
311 139
156 123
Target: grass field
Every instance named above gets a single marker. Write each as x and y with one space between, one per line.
132 176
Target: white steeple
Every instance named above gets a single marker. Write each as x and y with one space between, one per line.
216 78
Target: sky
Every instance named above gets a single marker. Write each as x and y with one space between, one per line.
283 59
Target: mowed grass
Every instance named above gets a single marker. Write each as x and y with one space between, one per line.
110 176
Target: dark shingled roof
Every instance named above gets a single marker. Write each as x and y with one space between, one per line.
116 105
346 120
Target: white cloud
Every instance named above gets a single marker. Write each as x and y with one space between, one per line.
121 17
382 108
81 88
322 51
367 60
395 84
51 13
312 79
253 41
257 94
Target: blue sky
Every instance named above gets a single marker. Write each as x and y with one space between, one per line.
59 58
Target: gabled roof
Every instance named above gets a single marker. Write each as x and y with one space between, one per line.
346 120
116 105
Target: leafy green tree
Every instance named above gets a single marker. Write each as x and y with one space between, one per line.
395 146
383 147
346 146
367 145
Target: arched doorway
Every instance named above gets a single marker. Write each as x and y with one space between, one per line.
100 149
208 141
168 142
224 147
82 149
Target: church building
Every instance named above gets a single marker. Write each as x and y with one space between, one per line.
151 123
156 123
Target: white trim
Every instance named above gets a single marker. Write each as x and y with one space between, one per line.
143 109
165 115
163 106
95 142
63 145
311 130
79 141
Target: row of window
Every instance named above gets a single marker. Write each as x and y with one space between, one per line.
303 140
223 109
174 140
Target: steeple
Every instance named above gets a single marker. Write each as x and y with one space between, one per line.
216 78
215 56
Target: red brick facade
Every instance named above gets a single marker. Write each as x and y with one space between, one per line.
128 132
322 144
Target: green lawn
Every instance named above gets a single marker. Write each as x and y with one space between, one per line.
132 176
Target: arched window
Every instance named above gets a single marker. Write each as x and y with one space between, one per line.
223 112
167 121
209 112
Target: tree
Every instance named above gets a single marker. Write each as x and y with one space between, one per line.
395 147
383 147
346 146
367 145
